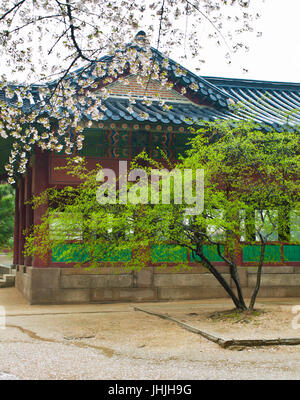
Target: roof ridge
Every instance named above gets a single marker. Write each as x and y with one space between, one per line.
197 77
242 82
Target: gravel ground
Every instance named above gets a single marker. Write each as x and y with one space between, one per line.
129 345
111 341
7 377
269 322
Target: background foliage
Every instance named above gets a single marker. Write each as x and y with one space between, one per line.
6 215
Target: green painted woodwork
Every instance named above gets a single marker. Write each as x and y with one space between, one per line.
116 255
76 252
291 252
168 253
251 253
71 252
211 253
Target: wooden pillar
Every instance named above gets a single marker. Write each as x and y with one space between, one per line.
28 208
21 222
40 181
16 227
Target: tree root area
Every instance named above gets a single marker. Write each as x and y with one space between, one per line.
236 316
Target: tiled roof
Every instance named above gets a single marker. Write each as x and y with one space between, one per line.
276 103
270 104
179 113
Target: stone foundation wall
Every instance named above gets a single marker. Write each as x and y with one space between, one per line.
72 285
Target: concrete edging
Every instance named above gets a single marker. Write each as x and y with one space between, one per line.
226 343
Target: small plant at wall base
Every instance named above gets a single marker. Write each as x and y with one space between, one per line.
251 197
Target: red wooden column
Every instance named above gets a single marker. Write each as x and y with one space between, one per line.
16 227
28 208
40 181
22 226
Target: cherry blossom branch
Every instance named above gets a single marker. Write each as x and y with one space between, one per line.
16 6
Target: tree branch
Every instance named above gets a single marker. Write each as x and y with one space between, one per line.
73 37
17 5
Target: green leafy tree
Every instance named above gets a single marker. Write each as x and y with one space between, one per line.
251 187
6 215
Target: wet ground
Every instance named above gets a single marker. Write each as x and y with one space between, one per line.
112 341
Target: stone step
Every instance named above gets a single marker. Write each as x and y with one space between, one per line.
7 280
8 277
5 269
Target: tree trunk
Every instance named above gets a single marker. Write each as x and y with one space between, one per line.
236 280
240 305
258 276
234 275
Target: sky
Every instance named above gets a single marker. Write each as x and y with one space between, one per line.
275 56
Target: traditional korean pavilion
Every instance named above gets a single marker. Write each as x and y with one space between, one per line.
121 135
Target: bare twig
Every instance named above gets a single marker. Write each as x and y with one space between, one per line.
16 6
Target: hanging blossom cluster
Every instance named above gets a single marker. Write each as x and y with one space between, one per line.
44 42
53 118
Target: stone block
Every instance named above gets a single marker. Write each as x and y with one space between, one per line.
75 281
137 294
276 280
114 281
192 269
73 296
45 296
272 270
273 292
94 281
100 295
191 293
143 278
23 284
44 278
110 270
180 280
174 270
